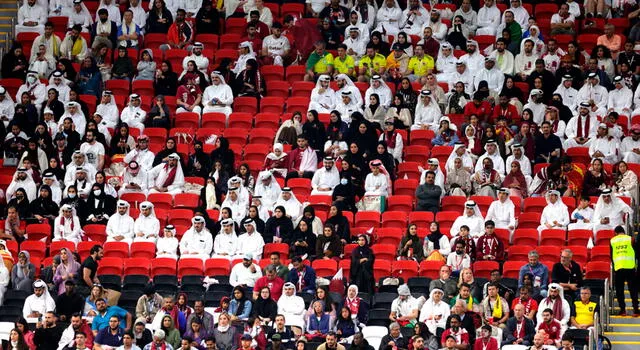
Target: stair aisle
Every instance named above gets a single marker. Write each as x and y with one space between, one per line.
8 10
624 331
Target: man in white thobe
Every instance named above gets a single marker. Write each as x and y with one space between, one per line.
7 107
388 18
491 151
146 227
488 18
345 84
217 97
473 58
133 114
120 224
134 180
568 93
378 86
114 11
290 203
225 245
347 105
582 128
108 109
246 272
251 241
517 154
50 41
74 112
233 202
31 18
80 15
594 93
502 211
491 74
21 179
326 178
57 82
167 177
202 62
630 145
604 146
427 112
267 188
38 303
610 211
520 14
414 18
141 154
197 242
620 98
323 98
356 44
472 218
246 53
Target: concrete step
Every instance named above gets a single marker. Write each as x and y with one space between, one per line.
623 336
625 326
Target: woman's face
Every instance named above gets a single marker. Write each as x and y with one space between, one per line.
344 165
191 67
71 191
413 230
537 83
597 165
63 255
373 100
457 163
515 167
405 83
317 307
14 336
310 117
320 293
22 258
375 40
327 232
334 118
278 213
467 275
397 101
166 323
53 163
352 292
44 193
509 83
362 241
489 132
237 294
600 53
95 291
164 66
433 227
225 213
380 149
195 326
223 320
333 211
571 48
362 128
99 178
526 115
344 312
353 148
171 144
303 226
622 167
243 170
300 345
20 327
402 38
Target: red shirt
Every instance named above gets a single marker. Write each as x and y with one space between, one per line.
185 96
462 337
510 113
483 111
275 286
256 42
491 345
529 305
552 329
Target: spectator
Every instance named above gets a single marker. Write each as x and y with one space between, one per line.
70 302
180 34
472 218
110 336
551 327
128 341
555 301
245 273
459 259
362 260
610 211
47 333
159 334
567 273
291 307
78 325
435 312
460 334
555 215
410 246
610 40
486 342
520 329
40 302
405 308
303 277
103 319
207 19
539 271
394 338
489 246
526 299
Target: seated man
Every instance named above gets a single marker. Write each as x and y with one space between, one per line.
611 40
496 308
520 330
555 301
551 327
325 178
445 283
582 311
525 299
435 312
555 215
146 227
539 271
245 273
320 62
472 218
167 177
120 225
197 241
567 273
38 303
275 47
489 247
404 309
461 335
610 211
218 96
502 210
109 337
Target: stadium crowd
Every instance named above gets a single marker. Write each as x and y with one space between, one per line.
449 118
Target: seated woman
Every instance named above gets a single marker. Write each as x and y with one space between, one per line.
392 141
596 179
357 306
375 113
97 293
626 181
410 247
328 245
250 81
158 116
486 180
240 305
23 273
100 206
345 326
290 129
436 245
318 323
555 215
277 161
322 295
303 239
44 208
515 181
339 222
264 307
458 181
399 112
196 333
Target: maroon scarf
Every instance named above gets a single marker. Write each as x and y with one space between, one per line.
587 125
64 219
557 307
390 138
172 175
353 305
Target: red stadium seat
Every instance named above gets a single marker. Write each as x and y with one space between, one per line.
405 187
384 251
579 237
453 203
116 250
59 23
504 235
181 217
579 154
110 266
325 268
154 40
529 220
186 200
95 232
137 265
534 204
272 105
400 203
381 268
245 104
598 270
36 249
603 237
230 41
156 135
118 87
345 265
511 268
320 203
483 268
430 268
446 218
281 248
208 40
146 250
600 253
255 152
187 120
580 254
410 170
190 266
84 248
483 202
395 219
389 235
421 218
553 237
235 25
225 53
134 199
418 154
217 267
519 252
525 236
262 136
484 41
422 138
36 232
441 153
241 120
267 120
295 73
545 10
549 252
214 120
272 73
279 89
297 104
404 269
12 85
56 247
302 88
161 200
163 266
294 9
300 185
367 219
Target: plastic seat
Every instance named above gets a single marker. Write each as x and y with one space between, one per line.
406 187
300 185
262 137
579 237
272 105
553 237
519 252
453 203
161 200
529 220
549 252
83 248
297 104
133 198
186 200
384 252
409 170
603 237
400 203
421 218
598 270
389 235
367 219
36 249
118 87
256 152
56 247
579 154
36 232
525 237
483 202
241 120
230 41
95 232
302 88
600 253
294 9
325 267
396 219
534 204
483 268
181 217
415 153
381 268
187 120
281 248
272 73
404 269
163 266
208 40
226 53
190 267
430 268
235 25
217 267
446 218
295 73
441 153
422 138
116 250
137 265
176 56
110 266
12 85
245 104
279 89
511 268
146 250
267 120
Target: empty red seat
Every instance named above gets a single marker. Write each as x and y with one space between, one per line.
190 266
598 270
116 249
421 218
272 73
384 251
381 268
511 268
186 200
523 236
400 203
137 266
163 266
245 104
430 268
600 253
110 266
146 250
36 249
36 232
95 232
389 235
404 269
483 268
325 268
367 219
396 219
217 267
553 237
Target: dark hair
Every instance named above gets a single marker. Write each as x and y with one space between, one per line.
96 248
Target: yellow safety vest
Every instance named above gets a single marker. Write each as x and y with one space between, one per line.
623 255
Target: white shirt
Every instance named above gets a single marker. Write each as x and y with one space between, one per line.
120 225
474 222
148 225
92 152
494 77
33 13
144 158
502 213
608 146
251 243
243 275
596 93
276 46
572 127
158 175
41 304
555 212
167 246
620 100
431 309
225 244
525 63
569 96
475 62
426 114
525 164
626 150
488 17
327 97
109 113
498 162
458 262
194 242
133 116
221 91
325 178
64 231
375 185
383 92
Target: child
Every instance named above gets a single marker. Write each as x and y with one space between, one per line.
583 215
146 66
168 244
469 244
